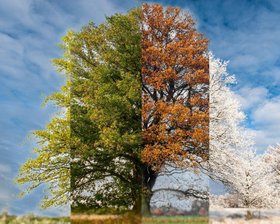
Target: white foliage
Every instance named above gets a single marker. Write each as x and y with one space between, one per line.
226 133
271 161
233 160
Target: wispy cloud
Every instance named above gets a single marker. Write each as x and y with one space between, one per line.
263 115
251 97
266 121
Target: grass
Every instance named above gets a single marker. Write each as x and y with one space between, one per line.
107 219
102 219
30 219
175 220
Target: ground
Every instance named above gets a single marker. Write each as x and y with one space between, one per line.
5 218
217 216
244 216
111 219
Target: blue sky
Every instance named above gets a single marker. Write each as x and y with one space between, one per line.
244 32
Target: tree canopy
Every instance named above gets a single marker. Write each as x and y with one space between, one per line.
135 100
106 112
102 122
175 82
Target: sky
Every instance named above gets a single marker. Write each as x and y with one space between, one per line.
243 32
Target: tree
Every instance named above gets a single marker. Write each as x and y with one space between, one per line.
175 83
114 161
106 96
227 135
252 184
249 183
103 123
233 161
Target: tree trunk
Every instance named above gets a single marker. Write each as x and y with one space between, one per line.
142 203
149 179
249 215
137 208
145 205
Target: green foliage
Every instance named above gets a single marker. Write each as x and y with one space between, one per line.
90 152
52 164
105 112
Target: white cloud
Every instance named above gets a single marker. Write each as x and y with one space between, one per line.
250 97
268 113
263 112
265 137
265 119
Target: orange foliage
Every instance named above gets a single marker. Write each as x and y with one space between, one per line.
175 77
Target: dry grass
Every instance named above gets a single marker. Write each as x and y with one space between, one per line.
105 219
33 220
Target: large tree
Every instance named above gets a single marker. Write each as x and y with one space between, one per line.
103 123
97 152
175 83
106 113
